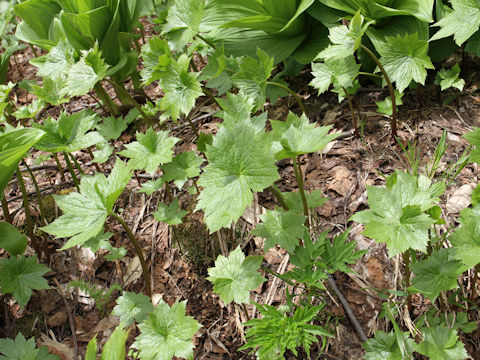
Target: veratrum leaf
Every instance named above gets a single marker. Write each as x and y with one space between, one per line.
132 306
436 273
234 277
339 72
462 22
385 347
22 349
114 348
240 162
466 239
84 213
281 227
405 59
441 343
166 333
171 214
397 214
150 150
20 275
450 78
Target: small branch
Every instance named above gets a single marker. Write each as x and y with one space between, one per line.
293 93
245 310
70 317
354 119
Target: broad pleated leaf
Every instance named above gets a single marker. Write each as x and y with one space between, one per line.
233 277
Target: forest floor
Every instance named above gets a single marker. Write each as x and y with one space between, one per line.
65 319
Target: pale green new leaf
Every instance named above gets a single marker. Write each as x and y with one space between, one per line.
436 273
385 347
240 162
339 72
184 166
84 213
114 348
233 277
385 106
466 238
132 306
56 64
29 111
397 213
183 22
441 343
156 57
91 353
462 22
450 78
151 150
280 227
20 275
405 59
50 91
166 333
171 214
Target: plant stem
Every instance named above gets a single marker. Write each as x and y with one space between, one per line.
71 170
206 41
60 169
393 122
278 195
299 177
97 167
406 260
37 191
354 118
476 269
293 93
245 310
369 74
6 212
77 165
124 91
138 250
28 215
106 99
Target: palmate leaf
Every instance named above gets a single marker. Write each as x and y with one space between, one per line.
29 110
280 227
385 106
294 200
56 63
466 239
441 343
156 57
397 213
183 22
405 59
339 253
462 22
11 239
171 214
23 349
152 186
297 136
339 72
150 150
20 275
234 277
184 166
473 138
166 333
385 347
450 78
84 213
69 133
103 153
436 273
111 127
240 162
132 306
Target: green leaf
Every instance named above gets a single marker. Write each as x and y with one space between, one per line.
111 127
69 133
20 275
269 333
152 186
385 106
183 22
405 59
84 213
11 239
476 196
450 78
339 253
473 138
166 333
29 111
436 273
184 166
50 91
234 277
22 349
132 306
84 74
253 75
466 238
156 58
105 150
4 95
181 88
441 343
240 162
91 353
203 141
114 348
150 150
396 214
13 146
462 22
339 72
385 347
171 214
280 227
297 136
